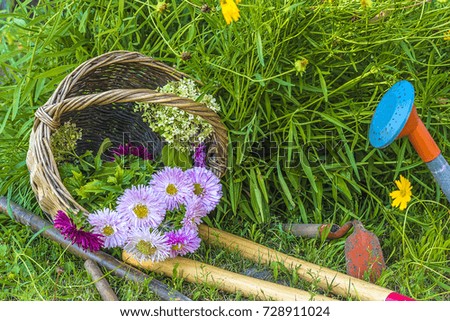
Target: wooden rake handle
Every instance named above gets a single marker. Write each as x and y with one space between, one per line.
197 272
338 283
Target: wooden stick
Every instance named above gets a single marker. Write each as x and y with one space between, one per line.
116 267
197 272
102 285
338 283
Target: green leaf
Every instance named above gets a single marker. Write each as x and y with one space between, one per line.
101 150
56 71
40 85
258 204
112 189
121 9
78 177
336 122
307 170
342 187
261 183
283 83
5 120
16 100
323 84
259 49
175 158
284 186
95 186
408 51
292 137
247 212
348 152
119 174
191 33
82 21
275 272
3 250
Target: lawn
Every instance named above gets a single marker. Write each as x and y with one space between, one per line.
297 83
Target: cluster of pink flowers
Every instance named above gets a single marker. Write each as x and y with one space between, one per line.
130 149
154 221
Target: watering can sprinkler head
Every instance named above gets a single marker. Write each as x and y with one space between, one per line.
396 117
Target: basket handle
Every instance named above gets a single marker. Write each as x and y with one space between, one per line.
50 113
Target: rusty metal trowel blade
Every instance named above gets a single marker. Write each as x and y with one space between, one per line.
363 253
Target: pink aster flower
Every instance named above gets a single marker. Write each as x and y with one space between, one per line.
111 225
129 149
141 207
86 240
183 241
206 185
173 186
195 211
200 155
144 245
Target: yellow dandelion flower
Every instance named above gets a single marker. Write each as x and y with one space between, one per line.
447 35
230 10
366 3
402 196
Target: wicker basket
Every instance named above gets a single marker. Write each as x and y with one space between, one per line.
99 97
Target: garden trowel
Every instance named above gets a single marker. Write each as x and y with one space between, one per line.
363 254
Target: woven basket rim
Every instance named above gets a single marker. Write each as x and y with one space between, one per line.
45 180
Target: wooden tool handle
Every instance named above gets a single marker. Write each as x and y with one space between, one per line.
102 285
197 272
338 283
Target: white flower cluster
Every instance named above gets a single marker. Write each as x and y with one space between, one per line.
180 129
64 141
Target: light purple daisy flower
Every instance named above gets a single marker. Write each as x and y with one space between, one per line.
195 211
144 245
206 185
183 241
141 207
111 225
173 186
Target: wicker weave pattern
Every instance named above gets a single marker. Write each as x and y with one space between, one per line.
100 94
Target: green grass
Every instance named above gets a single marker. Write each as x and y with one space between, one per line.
298 141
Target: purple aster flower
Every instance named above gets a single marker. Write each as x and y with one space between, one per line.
183 241
173 186
200 155
129 149
206 185
141 207
195 211
144 245
86 240
111 225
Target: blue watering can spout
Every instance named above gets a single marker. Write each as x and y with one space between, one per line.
396 117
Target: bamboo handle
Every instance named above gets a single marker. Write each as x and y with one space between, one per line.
339 283
197 272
